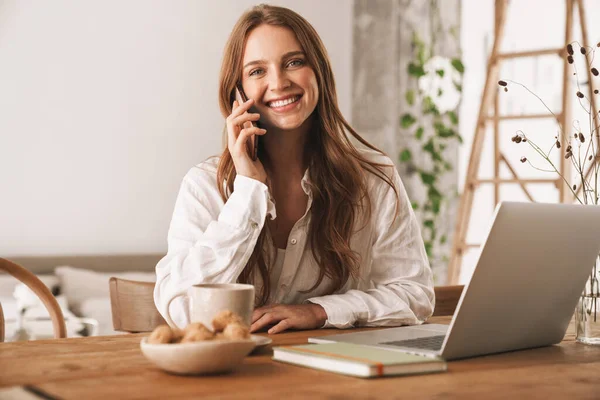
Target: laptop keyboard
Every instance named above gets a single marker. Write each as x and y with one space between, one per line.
424 343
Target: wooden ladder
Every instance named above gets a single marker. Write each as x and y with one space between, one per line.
489 113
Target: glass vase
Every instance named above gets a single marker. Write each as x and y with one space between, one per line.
587 313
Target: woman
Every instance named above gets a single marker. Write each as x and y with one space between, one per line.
341 246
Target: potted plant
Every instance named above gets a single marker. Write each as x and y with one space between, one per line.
580 141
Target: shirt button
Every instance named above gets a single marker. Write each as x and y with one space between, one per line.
254 225
293 241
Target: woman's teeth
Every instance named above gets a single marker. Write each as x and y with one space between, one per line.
282 103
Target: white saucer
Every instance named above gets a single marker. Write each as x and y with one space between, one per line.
260 341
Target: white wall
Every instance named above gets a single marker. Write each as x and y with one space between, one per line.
531 24
104 106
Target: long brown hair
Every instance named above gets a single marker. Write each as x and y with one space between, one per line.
336 168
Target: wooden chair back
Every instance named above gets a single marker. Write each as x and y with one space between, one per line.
132 304
41 291
446 299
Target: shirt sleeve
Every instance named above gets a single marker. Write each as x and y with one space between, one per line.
208 245
402 283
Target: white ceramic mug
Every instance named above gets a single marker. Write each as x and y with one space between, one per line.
207 300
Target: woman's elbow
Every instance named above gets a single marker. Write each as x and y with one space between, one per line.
425 304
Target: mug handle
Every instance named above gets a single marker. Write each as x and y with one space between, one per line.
168 313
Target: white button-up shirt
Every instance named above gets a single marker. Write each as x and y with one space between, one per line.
210 241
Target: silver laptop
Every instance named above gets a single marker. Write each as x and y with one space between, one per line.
529 276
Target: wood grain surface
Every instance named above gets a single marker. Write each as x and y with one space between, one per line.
113 367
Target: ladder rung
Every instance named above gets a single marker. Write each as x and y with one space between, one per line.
469 245
501 180
530 116
530 53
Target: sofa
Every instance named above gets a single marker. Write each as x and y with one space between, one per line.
80 285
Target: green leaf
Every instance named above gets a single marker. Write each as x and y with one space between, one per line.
458 86
416 70
428 147
443 131
436 204
428 223
419 133
415 205
405 155
427 178
433 192
419 46
440 72
453 117
428 248
448 166
435 197
458 65
429 106
407 120
421 56
443 239
410 97
440 92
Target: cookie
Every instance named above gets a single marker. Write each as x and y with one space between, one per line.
195 326
236 331
161 334
196 334
224 318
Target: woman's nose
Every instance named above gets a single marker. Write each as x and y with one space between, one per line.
278 81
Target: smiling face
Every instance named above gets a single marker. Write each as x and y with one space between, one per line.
277 76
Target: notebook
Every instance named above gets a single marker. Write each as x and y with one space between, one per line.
357 360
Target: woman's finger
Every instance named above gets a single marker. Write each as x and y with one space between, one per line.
256 314
244 135
245 118
239 109
230 128
259 312
280 327
269 318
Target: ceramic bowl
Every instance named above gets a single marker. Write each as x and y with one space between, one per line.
205 357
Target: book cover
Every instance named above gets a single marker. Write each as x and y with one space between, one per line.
357 360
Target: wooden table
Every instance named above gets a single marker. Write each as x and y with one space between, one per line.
112 367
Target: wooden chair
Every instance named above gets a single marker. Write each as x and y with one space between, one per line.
132 304
38 287
446 299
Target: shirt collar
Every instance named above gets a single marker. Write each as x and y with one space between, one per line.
305 183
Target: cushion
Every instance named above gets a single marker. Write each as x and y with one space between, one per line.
98 308
9 282
35 317
79 284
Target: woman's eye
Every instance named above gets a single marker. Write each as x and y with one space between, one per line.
255 72
296 63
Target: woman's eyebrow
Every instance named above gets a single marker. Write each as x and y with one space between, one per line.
286 55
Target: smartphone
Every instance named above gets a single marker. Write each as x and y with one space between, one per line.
242 98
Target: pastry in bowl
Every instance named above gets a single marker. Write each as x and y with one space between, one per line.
198 349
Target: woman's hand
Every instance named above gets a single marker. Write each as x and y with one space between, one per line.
301 316
239 134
